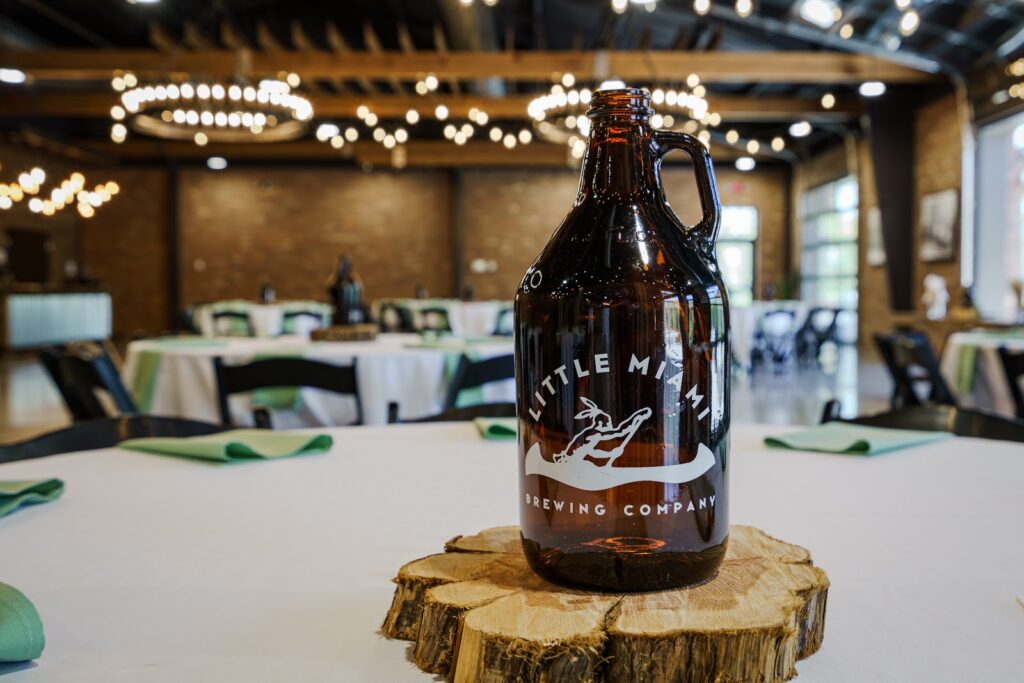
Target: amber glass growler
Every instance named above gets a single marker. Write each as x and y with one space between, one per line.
622 371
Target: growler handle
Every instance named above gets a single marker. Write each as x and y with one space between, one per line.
706 232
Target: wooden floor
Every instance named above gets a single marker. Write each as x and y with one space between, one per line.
30 404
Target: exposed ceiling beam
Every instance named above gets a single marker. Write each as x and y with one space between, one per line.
421 154
513 107
340 48
713 67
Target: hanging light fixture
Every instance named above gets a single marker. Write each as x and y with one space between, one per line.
210 111
561 115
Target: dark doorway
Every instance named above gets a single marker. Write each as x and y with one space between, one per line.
28 256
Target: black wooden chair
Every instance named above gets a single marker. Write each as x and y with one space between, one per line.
936 417
817 330
506 324
290 320
911 362
80 374
272 373
232 324
435 319
1013 366
457 414
470 374
775 338
395 318
186 320
103 433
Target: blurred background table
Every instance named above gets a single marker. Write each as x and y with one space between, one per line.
175 376
258 319
464 318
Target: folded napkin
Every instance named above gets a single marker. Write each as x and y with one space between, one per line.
21 630
14 494
843 437
235 445
497 428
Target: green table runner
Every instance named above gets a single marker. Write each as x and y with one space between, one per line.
15 494
21 629
235 445
842 437
966 362
497 428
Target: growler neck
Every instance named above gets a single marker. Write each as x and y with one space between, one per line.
620 161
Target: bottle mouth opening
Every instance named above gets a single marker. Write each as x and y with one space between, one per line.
632 102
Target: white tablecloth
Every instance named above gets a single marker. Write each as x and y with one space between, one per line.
389 369
985 384
744 319
467 318
160 569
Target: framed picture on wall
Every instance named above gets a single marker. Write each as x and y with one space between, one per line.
938 216
876 245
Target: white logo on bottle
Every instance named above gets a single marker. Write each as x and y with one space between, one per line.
603 440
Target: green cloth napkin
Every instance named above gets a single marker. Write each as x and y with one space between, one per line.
21 630
843 437
235 445
14 494
497 428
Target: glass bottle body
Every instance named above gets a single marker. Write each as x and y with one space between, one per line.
622 362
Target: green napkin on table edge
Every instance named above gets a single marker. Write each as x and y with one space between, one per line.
853 439
497 428
21 629
234 445
14 494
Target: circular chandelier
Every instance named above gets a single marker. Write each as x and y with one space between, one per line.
210 111
561 115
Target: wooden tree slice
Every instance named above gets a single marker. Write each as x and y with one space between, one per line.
478 613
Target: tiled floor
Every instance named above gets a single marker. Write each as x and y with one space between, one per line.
30 404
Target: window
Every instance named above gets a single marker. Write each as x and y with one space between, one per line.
828 262
736 252
999 225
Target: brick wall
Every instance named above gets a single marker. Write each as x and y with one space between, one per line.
510 215
287 226
61 228
125 244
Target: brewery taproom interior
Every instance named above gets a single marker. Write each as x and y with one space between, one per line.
294 292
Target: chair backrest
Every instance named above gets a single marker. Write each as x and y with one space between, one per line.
232 324
1013 366
911 361
505 326
283 372
80 374
470 374
301 321
435 319
777 324
458 414
103 433
186 320
939 418
393 317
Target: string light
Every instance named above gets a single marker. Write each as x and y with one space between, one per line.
846 31
753 146
872 89
800 129
909 22
778 144
619 6
441 112
744 8
60 196
412 117
701 7
828 100
902 4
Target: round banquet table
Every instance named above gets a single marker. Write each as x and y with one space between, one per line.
155 568
467 318
972 368
397 368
